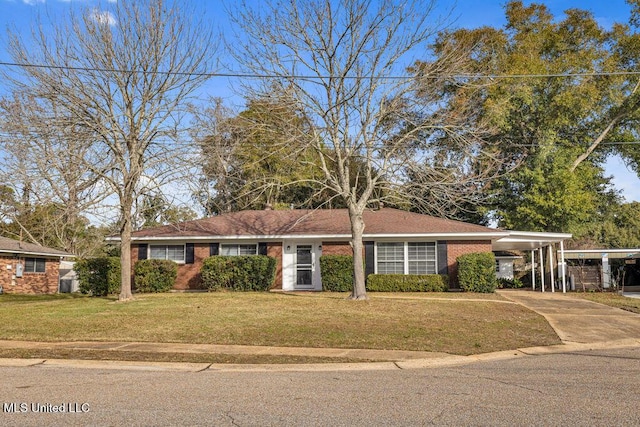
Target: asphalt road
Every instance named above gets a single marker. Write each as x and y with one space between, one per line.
579 389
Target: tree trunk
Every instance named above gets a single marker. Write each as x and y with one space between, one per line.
357 228
125 253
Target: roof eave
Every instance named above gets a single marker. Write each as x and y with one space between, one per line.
440 235
44 254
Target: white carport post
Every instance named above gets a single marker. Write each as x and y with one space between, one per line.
553 283
541 267
564 268
533 269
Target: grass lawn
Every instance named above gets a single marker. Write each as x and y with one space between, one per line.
448 322
612 299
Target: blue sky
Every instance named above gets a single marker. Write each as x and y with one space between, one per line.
467 13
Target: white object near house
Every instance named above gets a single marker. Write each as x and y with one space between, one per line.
68 278
504 266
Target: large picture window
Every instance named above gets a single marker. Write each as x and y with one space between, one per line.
234 250
34 265
406 258
169 252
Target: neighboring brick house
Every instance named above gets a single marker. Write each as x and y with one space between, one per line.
26 268
395 241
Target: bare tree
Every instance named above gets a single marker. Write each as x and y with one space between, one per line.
45 152
345 64
125 75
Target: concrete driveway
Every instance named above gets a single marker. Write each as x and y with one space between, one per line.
576 320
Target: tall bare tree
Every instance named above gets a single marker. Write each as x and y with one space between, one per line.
124 74
45 153
344 63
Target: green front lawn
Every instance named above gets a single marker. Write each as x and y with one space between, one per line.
444 322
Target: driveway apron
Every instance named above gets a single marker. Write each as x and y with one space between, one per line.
577 320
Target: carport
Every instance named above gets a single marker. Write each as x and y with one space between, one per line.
537 242
602 258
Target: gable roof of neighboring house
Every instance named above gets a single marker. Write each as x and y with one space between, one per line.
11 246
321 223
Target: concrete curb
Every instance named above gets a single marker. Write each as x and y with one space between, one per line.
409 364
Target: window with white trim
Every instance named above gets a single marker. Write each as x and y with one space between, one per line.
234 250
422 257
406 258
35 265
168 252
391 258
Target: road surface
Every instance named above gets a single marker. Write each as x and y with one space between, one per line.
578 389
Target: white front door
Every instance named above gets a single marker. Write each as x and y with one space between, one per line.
304 267
301 266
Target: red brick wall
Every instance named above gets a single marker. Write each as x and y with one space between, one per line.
275 250
457 248
29 283
336 248
189 277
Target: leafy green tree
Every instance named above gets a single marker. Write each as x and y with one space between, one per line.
551 105
155 210
250 160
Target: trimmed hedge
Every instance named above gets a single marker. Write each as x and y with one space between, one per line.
154 275
98 276
477 272
239 273
337 273
407 283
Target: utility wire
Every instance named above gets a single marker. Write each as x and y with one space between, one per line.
320 77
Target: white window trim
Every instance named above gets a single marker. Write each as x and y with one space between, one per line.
406 254
166 245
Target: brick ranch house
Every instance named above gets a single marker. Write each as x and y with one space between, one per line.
395 241
26 268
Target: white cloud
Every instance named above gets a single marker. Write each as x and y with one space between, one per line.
103 17
32 2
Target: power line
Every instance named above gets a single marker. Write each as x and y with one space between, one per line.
8 136
320 77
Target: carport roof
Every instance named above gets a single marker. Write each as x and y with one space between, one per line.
600 253
527 240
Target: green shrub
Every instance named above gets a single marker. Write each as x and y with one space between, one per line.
239 273
154 275
337 273
477 272
98 276
504 283
407 283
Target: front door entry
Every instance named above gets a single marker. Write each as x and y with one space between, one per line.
304 267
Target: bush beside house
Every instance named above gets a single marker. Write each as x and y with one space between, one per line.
477 272
239 273
337 273
98 276
154 275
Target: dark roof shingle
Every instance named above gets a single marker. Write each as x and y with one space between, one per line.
309 223
18 247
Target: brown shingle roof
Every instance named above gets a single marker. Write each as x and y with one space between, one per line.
14 246
309 223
